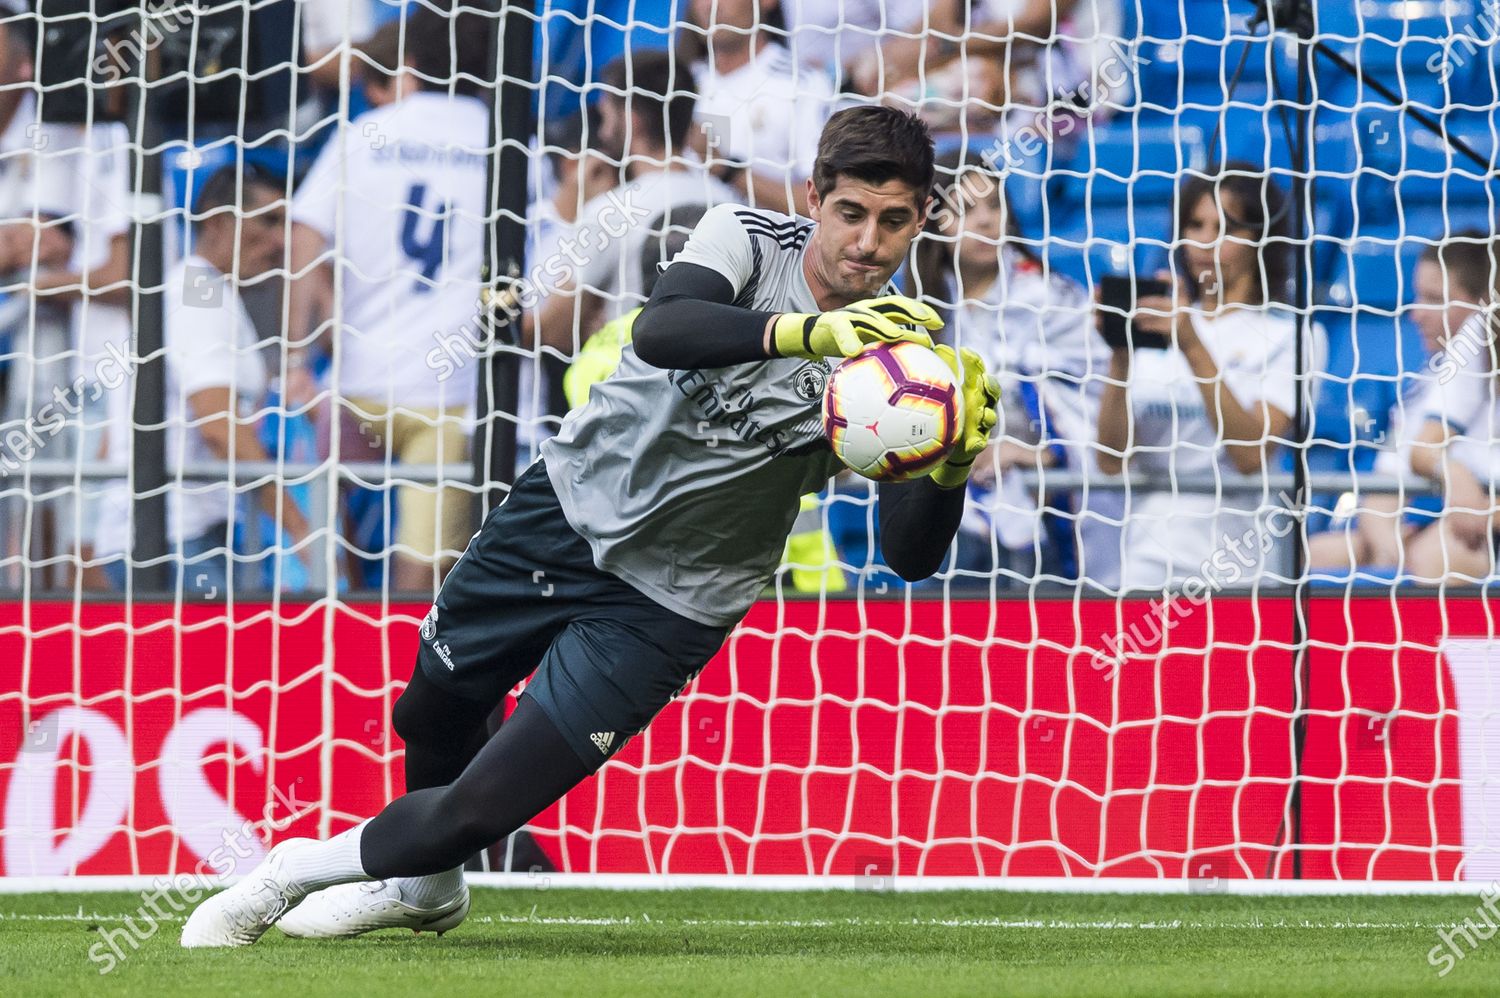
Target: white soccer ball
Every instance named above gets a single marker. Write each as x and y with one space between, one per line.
894 412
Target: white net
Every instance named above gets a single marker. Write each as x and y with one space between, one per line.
1218 606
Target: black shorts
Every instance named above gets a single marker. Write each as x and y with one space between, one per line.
527 597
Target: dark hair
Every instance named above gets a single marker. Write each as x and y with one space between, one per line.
449 47
381 52
874 144
1469 264
669 233
565 137
933 261
657 88
223 188
1249 200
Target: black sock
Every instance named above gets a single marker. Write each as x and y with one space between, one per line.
525 767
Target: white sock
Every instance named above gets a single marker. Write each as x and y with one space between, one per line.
431 891
317 865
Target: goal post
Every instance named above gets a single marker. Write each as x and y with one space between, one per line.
1218 617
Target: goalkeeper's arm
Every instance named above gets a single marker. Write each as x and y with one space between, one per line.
918 519
690 322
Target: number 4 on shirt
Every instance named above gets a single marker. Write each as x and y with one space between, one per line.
426 253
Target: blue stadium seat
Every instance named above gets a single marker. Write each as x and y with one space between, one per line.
1414 179
1433 54
1131 164
1373 270
1189 52
1370 356
1113 199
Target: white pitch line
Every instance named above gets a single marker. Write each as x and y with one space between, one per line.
828 923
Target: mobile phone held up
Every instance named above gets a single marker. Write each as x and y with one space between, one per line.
1117 297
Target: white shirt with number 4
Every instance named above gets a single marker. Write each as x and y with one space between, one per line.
400 197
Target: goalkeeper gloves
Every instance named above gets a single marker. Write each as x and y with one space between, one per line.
981 401
846 331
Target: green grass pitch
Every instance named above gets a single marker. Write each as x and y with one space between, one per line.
583 943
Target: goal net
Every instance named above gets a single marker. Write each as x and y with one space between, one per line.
292 289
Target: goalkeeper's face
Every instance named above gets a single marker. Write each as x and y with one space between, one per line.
864 232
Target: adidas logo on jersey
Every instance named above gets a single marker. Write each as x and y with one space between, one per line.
603 740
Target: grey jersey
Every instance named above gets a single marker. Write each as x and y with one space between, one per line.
686 483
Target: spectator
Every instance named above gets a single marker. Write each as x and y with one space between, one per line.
841 36
35 353
644 117
964 61
759 114
1218 400
327 30
217 373
401 198
83 175
578 175
1035 333
1454 280
380 66
1458 443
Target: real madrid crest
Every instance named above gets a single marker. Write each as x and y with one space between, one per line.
429 624
809 382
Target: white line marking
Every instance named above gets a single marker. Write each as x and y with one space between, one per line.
827 923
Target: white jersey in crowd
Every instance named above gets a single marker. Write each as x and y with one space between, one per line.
1468 404
210 342
767 115
1171 533
686 483
614 228
1427 392
19 157
400 196
327 24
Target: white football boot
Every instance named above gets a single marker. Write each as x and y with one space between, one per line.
241 914
348 910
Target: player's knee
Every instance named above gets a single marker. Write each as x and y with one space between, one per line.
419 718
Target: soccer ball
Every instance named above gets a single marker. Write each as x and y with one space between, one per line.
893 412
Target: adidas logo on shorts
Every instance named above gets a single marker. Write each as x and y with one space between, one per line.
603 740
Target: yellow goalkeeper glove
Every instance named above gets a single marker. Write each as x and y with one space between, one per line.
981 410
846 331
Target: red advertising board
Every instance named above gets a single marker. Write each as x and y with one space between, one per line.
1024 738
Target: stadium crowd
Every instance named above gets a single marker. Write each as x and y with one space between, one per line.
321 298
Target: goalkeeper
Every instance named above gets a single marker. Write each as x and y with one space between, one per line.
620 560
811 557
